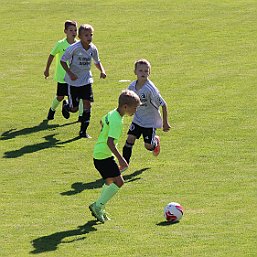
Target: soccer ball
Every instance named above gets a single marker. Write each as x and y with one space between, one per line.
173 212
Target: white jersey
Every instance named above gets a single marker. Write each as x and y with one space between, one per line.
79 60
148 114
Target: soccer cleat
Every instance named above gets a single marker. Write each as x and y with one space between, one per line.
50 115
97 212
157 148
65 112
105 215
84 134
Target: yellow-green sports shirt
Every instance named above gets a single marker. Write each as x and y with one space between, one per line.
111 127
58 51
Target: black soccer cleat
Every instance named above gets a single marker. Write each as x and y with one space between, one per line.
84 134
65 111
50 115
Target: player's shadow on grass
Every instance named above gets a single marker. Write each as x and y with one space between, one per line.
166 223
12 133
51 242
78 187
50 142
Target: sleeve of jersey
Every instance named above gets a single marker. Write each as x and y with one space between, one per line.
158 100
67 56
56 49
96 56
161 100
132 86
115 128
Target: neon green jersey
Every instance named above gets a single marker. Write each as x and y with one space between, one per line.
112 127
58 51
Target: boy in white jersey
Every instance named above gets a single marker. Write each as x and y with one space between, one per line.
70 29
105 149
147 117
79 76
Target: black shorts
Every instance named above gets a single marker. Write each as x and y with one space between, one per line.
108 168
62 89
137 131
76 93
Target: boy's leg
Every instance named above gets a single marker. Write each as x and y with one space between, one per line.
86 94
110 172
72 105
55 103
62 89
152 141
98 208
81 109
61 92
85 120
133 134
52 109
65 104
108 191
127 150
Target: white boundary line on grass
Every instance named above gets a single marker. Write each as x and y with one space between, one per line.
124 80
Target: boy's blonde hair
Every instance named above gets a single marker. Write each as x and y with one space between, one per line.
68 23
85 27
143 61
129 97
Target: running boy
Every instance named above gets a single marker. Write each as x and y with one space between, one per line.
70 29
79 76
147 117
105 150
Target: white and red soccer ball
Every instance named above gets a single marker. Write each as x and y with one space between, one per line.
173 212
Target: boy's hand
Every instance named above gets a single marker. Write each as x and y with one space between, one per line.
46 73
72 76
123 165
102 75
166 126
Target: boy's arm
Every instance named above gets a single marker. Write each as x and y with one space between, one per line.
100 67
67 69
48 64
166 125
115 151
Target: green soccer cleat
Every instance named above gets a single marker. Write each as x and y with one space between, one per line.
105 215
97 212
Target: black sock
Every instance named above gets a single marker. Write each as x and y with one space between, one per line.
127 151
85 120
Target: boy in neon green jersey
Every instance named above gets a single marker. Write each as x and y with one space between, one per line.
105 149
70 29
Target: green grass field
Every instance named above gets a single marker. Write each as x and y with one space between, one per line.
204 61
